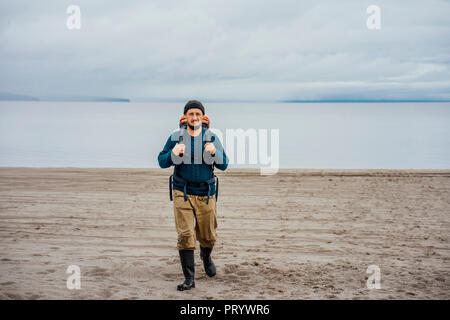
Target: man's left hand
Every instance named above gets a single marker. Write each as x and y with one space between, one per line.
209 147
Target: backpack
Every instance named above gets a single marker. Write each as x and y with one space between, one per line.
174 177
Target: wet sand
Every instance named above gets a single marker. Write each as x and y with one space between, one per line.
300 234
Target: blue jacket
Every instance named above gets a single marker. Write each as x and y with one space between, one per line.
197 170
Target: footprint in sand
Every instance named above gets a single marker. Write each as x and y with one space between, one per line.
32 296
170 276
106 293
14 296
97 271
230 268
232 277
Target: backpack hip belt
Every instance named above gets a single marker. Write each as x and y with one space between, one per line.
213 180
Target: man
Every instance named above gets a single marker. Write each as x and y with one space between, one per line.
194 189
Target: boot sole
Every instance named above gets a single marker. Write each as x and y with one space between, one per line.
180 287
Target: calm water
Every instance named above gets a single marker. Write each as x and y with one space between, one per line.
311 135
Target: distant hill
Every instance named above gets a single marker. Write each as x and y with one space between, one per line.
6 96
361 101
86 99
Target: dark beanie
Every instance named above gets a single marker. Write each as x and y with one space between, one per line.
194 104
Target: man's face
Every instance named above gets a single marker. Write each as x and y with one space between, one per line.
194 117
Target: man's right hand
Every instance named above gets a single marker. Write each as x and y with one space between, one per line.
178 149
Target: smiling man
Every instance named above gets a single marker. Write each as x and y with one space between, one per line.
194 187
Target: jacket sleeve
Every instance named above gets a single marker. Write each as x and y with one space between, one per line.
221 159
164 157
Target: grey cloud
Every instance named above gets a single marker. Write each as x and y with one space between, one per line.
222 49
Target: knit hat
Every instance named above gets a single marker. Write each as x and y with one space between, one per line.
194 104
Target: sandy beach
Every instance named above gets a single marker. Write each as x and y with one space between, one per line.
300 234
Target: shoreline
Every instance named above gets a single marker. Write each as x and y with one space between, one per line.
253 171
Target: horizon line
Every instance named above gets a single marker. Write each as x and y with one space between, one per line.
111 99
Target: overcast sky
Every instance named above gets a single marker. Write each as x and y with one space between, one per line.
243 50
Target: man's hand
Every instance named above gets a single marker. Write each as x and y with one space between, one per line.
178 149
209 147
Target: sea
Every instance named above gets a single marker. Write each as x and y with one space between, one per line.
342 135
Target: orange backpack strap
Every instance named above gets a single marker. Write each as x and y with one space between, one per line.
183 120
205 121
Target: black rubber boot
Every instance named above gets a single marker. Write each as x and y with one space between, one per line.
187 263
210 267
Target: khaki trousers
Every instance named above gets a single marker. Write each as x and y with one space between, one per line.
195 220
